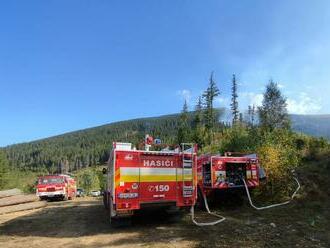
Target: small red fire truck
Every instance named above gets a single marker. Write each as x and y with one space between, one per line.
216 172
56 186
137 179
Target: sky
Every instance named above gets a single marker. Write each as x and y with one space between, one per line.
69 65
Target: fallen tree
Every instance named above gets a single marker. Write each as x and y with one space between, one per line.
21 207
17 199
10 192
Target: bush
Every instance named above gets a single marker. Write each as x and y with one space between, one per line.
235 139
279 155
315 146
88 179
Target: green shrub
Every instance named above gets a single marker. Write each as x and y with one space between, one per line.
235 139
88 179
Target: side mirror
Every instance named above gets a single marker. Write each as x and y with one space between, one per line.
104 171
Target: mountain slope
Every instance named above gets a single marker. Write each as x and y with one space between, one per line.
315 125
82 148
90 146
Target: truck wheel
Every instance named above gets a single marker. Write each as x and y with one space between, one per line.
120 222
105 201
200 199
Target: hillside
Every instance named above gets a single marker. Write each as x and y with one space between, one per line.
315 125
91 146
82 148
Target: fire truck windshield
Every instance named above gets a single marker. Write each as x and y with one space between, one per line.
51 180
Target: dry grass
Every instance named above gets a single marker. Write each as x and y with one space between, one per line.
83 223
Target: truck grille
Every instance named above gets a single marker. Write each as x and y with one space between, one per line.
50 189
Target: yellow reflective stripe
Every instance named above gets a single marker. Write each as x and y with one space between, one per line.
153 178
185 177
117 172
136 174
116 177
129 178
158 178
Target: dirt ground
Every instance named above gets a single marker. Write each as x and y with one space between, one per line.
83 223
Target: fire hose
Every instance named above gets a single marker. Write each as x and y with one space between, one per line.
192 210
250 201
273 205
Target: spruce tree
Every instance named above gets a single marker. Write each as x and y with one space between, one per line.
198 134
198 113
4 170
251 115
273 112
210 114
240 117
183 131
234 102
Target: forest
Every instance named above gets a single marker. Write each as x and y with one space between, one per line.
266 130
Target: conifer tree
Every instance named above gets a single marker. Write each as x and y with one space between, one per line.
240 117
198 117
210 114
198 134
234 102
251 115
273 112
4 170
183 131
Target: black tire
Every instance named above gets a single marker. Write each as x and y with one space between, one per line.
174 214
120 222
65 197
200 199
105 201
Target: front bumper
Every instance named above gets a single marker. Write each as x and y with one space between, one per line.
51 193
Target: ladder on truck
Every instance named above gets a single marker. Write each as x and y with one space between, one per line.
187 169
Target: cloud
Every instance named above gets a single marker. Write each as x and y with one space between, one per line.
303 105
251 98
222 101
184 94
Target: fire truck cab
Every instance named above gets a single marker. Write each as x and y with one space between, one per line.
56 186
216 172
138 179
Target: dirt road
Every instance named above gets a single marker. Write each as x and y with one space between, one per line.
83 223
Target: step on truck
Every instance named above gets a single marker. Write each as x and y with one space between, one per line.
221 172
138 179
56 187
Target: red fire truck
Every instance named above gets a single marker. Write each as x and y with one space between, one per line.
216 172
56 187
137 179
